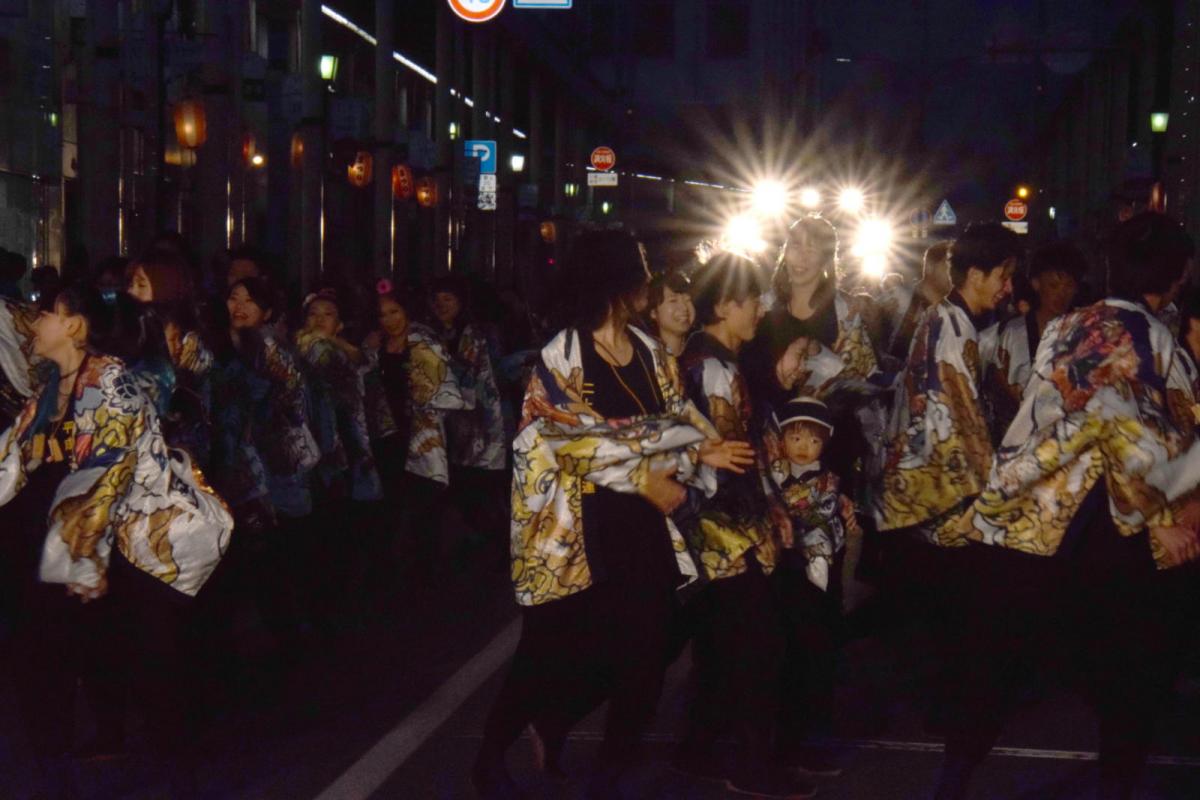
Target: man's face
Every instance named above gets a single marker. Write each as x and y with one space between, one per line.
742 317
1056 291
990 288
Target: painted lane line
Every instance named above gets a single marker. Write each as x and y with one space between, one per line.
371 771
913 747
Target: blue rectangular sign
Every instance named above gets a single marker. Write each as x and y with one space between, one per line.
485 151
541 3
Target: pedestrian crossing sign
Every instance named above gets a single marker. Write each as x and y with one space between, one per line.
945 215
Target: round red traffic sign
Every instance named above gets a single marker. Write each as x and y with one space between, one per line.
604 159
1016 209
477 10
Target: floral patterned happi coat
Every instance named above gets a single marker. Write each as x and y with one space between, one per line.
476 436
125 488
339 421
17 378
1106 402
937 447
563 443
723 528
280 429
433 391
821 515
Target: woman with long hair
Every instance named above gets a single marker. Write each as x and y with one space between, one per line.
345 482
264 452
161 278
411 387
476 440
815 342
606 441
111 513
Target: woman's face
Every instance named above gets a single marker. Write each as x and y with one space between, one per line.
805 258
392 317
675 314
243 311
446 307
323 318
55 331
139 287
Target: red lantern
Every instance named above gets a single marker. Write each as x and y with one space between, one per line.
191 126
249 148
359 172
402 182
427 193
297 152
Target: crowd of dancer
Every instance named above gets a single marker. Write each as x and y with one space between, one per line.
180 448
682 463
695 451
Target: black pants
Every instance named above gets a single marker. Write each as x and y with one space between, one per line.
923 583
735 660
128 648
607 642
811 620
482 497
1104 614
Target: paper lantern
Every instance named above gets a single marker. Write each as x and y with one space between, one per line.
427 193
297 152
249 148
359 171
402 182
549 232
191 126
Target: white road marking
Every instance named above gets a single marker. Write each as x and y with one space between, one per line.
371 771
918 747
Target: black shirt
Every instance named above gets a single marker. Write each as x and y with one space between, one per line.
625 536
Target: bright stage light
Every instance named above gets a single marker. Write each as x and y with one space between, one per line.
810 198
874 266
851 200
770 199
744 235
872 244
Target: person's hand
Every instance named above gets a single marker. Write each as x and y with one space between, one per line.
791 363
87 594
661 489
1189 515
1181 544
783 524
727 454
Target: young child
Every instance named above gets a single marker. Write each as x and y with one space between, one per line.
808 579
820 515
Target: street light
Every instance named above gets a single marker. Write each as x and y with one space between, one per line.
257 160
810 198
453 130
1023 192
743 234
329 68
851 200
770 199
517 162
1158 121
